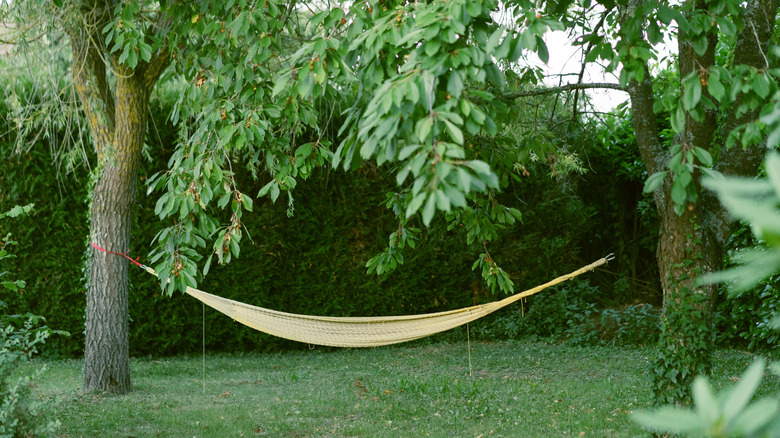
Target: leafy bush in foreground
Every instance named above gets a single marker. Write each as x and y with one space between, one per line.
726 414
20 415
20 336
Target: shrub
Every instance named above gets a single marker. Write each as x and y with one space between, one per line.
637 324
20 336
745 317
20 414
546 315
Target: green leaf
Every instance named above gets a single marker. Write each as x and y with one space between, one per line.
400 177
407 151
13 286
541 50
700 44
716 88
761 85
442 201
480 167
772 165
704 399
742 393
691 91
670 419
494 40
527 41
495 75
207 266
415 204
704 156
678 120
679 192
146 51
423 128
755 417
266 188
473 8
432 47
429 210
455 84
456 196
247 201
668 14
506 46
464 180
653 181
125 54
727 27
517 52
455 132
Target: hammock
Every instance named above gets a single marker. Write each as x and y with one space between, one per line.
361 331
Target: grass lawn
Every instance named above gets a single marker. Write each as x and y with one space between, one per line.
516 389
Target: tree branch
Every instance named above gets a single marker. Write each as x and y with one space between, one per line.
156 66
162 58
89 78
563 88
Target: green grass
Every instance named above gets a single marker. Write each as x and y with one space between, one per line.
515 390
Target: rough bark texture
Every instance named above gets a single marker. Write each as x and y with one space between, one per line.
117 118
106 359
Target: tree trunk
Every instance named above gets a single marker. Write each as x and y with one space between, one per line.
106 355
686 249
693 243
117 118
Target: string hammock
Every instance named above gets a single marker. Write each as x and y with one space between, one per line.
360 331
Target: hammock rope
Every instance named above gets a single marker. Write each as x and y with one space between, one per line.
359 331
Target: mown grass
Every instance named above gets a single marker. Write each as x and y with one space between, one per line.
515 390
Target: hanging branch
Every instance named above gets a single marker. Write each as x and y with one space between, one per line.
562 88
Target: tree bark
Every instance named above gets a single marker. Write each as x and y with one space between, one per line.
106 354
117 117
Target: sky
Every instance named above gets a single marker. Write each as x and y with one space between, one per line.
565 58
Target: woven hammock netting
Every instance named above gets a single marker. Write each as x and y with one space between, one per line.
362 331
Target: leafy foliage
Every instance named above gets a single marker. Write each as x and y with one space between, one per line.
636 324
754 202
677 362
20 413
20 336
420 79
729 413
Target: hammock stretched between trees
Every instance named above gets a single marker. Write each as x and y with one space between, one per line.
360 331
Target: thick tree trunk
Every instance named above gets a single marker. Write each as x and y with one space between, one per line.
693 243
686 249
117 118
106 355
